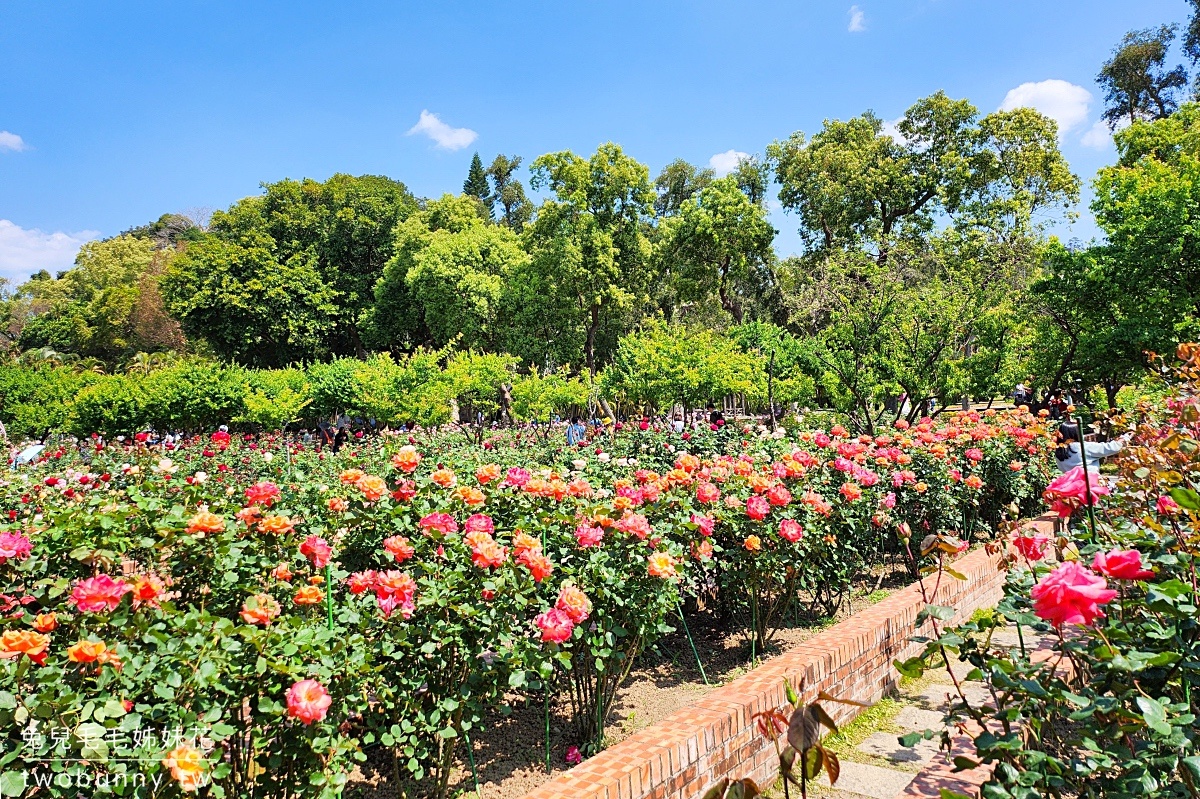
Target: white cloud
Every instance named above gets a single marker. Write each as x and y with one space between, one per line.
858 20
23 252
1099 136
11 141
443 135
726 162
892 128
1065 103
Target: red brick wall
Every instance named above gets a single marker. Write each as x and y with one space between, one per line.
682 755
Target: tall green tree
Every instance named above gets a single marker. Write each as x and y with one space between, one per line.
918 247
343 227
679 182
248 305
476 185
589 240
92 310
1136 81
508 190
719 244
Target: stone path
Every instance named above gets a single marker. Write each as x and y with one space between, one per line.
876 765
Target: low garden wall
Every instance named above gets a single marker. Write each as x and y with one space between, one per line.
685 753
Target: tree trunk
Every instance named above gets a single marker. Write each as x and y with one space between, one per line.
589 347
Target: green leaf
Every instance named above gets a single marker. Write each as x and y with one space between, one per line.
1155 715
1186 498
12 783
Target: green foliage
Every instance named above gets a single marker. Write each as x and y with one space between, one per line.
476 186
1136 83
537 397
661 366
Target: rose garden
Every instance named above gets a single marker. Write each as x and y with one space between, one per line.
588 492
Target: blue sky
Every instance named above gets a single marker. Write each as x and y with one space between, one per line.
114 113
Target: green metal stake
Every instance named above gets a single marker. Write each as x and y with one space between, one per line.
1087 482
329 592
547 686
471 760
688 632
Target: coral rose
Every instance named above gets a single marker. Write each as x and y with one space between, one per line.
317 550
752 543
260 609
537 563
789 529
262 494
1121 565
398 547
1033 547
556 626
1071 594
98 594
308 701
439 522
1068 492
757 508
489 473
14 546
573 602
587 535
444 477
337 504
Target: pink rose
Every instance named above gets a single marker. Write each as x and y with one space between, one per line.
790 530
308 701
1032 547
1068 492
587 535
1121 565
556 626
757 508
14 546
98 594
1071 594
317 551
1166 507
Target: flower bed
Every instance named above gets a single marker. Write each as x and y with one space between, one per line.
248 618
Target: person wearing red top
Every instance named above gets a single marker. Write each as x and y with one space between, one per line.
221 436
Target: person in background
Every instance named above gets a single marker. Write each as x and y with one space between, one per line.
1067 453
576 432
221 437
677 422
339 441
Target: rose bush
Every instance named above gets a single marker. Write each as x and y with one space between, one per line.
289 610
1112 709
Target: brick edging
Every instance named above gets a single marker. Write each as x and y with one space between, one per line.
682 755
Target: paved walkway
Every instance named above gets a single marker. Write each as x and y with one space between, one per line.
875 764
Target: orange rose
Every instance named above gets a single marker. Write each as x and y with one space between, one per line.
309 595
752 543
45 622
14 643
487 474
372 487
407 459
276 525
443 477
336 505
86 651
260 609
351 476
204 522
661 564
146 590
187 767
282 572
469 496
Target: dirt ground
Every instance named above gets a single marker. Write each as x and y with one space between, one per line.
509 749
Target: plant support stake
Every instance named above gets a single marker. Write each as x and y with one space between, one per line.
329 592
471 760
688 632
